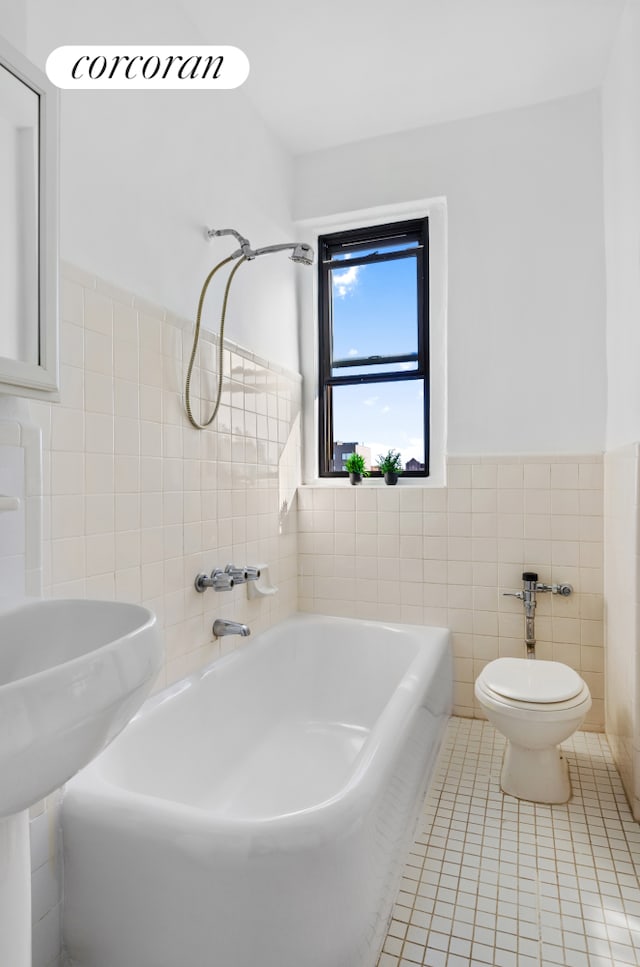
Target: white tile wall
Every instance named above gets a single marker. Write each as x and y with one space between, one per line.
137 502
622 586
12 522
20 529
443 557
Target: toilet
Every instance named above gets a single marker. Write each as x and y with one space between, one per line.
535 705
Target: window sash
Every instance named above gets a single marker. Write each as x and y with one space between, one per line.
416 257
416 230
340 264
355 361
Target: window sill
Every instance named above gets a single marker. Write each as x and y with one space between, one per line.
325 483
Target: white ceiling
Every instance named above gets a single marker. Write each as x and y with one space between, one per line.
337 71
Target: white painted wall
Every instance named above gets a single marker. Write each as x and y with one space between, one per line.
621 150
526 299
143 174
13 23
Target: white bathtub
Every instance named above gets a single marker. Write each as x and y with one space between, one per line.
259 812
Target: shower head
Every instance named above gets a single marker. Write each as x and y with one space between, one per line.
301 252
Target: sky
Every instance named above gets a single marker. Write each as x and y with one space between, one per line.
375 312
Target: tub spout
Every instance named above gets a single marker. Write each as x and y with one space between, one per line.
223 627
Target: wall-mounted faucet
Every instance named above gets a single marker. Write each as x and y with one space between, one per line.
224 580
219 580
237 574
528 596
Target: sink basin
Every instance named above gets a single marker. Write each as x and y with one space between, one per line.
72 674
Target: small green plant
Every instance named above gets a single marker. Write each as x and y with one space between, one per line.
355 464
390 462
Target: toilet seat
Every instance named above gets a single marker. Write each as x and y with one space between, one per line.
525 680
538 686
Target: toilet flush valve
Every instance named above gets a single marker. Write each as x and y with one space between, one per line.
528 596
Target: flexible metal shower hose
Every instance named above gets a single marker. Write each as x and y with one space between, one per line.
196 338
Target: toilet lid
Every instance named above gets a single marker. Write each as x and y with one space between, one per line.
530 680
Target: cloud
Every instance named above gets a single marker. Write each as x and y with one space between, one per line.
371 401
345 280
353 352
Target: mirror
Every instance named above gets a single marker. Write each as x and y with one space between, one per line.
28 229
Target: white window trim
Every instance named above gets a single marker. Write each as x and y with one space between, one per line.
435 209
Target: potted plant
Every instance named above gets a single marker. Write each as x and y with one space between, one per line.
356 468
390 466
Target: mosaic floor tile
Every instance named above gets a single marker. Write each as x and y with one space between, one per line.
491 880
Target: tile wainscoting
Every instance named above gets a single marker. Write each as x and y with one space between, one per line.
137 502
444 556
622 586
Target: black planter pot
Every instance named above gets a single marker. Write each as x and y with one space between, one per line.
390 478
355 478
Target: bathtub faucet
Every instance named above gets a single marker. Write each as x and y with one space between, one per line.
223 627
241 575
237 574
219 580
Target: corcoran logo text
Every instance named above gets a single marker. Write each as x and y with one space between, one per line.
147 68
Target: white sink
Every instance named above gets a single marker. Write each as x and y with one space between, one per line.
72 674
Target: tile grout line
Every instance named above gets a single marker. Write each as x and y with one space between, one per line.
515 884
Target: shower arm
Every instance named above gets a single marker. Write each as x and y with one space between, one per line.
214 232
301 251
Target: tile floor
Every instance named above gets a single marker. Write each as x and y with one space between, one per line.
492 880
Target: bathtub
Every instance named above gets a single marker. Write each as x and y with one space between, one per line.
259 812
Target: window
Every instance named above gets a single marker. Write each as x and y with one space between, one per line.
374 346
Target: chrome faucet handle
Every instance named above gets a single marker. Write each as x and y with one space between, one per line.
219 581
253 573
513 594
238 574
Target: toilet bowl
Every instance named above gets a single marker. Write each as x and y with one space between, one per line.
535 705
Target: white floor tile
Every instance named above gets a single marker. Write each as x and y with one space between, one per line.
495 881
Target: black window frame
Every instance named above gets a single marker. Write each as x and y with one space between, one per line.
354 240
